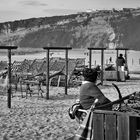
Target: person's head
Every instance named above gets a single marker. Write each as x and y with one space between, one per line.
121 55
90 74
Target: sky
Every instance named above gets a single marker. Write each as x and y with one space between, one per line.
11 10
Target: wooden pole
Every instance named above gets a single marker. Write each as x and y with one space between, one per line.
126 66
102 63
117 66
90 57
126 58
9 73
47 73
66 71
9 79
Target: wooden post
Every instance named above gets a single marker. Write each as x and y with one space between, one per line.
21 89
9 79
118 79
102 63
47 73
126 59
9 73
66 71
58 82
90 57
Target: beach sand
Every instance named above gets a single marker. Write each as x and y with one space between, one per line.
40 119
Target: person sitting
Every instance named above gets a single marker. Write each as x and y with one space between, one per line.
89 91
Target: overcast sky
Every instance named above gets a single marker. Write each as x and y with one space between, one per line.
11 10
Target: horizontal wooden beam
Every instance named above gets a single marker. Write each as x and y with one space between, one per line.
57 48
8 47
121 49
96 48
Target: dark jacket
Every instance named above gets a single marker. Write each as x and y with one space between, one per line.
120 61
88 93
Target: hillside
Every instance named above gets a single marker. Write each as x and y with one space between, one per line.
104 28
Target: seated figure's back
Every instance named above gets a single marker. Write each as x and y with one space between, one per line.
89 90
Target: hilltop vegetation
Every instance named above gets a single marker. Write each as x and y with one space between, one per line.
105 28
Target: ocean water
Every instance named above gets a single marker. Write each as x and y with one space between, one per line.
133 57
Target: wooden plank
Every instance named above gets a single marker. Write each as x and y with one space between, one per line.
59 78
57 48
121 48
110 127
96 48
133 127
31 82
112 75
113 125
8 47
123 127
98 126
138 123
115 113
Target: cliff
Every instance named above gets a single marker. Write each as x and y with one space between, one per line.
104 28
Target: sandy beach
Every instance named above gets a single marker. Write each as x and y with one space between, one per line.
40 119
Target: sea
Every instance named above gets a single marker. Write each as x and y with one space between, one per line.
133 57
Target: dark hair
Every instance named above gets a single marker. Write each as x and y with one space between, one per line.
90 74
121 54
